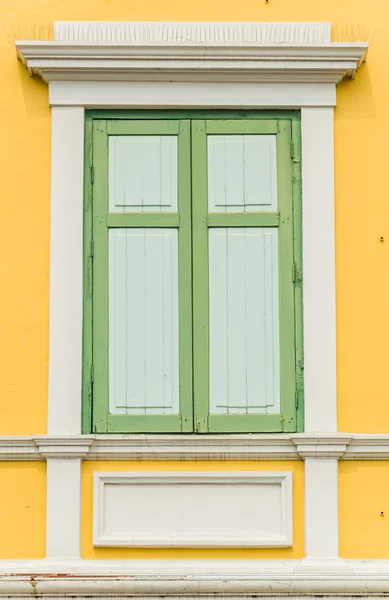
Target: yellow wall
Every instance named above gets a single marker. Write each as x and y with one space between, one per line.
363 496
296 467
362 209
22 509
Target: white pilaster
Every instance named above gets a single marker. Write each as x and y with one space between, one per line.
63 495
65 347
321 508
317 128
63 511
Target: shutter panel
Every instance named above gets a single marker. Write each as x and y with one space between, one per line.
244 336
143 321
244 321
142 336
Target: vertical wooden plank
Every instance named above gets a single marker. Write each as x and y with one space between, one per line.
87 345
244 328
218 320
298 260
154 324
286 287
236 309
200 277
100 277
118 320
143 326
272 373
234 183
185 277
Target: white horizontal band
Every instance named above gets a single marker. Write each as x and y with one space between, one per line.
192 447
193 578
149 32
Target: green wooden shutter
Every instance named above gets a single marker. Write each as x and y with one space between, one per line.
243 276
142 338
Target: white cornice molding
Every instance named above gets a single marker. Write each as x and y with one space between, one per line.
236 52
197 447
151 32
321 446
277 578
63 447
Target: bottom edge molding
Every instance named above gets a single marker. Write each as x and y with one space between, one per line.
231 579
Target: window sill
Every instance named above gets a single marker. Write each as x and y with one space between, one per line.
197 447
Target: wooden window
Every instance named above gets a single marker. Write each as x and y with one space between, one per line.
192 316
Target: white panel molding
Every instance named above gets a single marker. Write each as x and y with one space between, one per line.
193 447
227 509
275 52
230 579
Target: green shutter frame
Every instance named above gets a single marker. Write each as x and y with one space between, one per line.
202 220
104 422
193 222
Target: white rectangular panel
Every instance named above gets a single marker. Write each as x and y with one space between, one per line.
242 173
143 321
143 173
193 509
244 321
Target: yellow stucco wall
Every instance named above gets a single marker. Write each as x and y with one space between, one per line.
22 509
362 210
88 551
363 496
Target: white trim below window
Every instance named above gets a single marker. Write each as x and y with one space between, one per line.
197 447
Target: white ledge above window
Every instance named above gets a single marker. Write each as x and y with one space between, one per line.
200 52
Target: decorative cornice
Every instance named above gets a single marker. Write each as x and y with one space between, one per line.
326 446
213 52
235 579
63 447
151 32
197 447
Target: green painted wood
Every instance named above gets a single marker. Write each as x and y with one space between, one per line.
144 424
100 277
289 221
200 278
240 127
265 219
286 420
245 423
102 421
285 278
143 219
140 114
87 384
185 277
298 261
143 127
